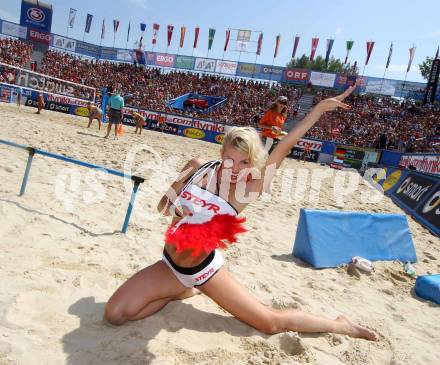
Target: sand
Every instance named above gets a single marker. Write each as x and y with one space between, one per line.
63 255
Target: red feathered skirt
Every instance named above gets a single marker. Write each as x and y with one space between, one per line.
218 232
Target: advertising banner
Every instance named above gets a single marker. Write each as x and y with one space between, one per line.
150 58
248 69
322 79
226 67
87 49
124 55
36 15
413 189
204 64
185 62
429 211
38 36
64 43
296 75
429 163
274 73
14 30
108 53
165 60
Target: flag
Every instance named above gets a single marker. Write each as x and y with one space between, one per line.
155 30
115 25
436 54
128 31
295 46
88 23
228 34
143 27
329 49
103 29
259 44
277 45
182 36
315 42
349 45
72 15
170 33
211 35
389 55
412 52
370 46
196 36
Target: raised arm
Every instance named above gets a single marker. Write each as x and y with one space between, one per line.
285 145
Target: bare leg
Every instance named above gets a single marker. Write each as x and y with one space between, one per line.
228 294
109 128
90 122
143 294
99 123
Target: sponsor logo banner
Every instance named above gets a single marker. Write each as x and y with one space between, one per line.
14 30
185 62
81 111
297 75
430 210
124 55
322 79
39 36
87 49
28 79
64 43
204 64
298 153
275 70
36 16
248 69
164 60
310 144
413 189
56 107
195 123
150 58
164 127
193 133
425 163
108 53
226 67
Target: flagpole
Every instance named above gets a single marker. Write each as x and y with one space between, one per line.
271 70
383 78
404 82
84 35
114 38
255 64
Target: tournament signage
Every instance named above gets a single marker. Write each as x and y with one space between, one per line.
164 60
432 81
296 75
322 79
248 69
414 189
87 49
425 163
38 36
226 67
36 14
430 210
306 146
14 30
64 43
124 55
108 53
185 62
204 64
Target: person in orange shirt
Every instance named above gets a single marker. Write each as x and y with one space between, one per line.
272 122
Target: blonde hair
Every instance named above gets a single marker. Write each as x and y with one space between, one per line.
247 140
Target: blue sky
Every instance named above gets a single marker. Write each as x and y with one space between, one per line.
404 22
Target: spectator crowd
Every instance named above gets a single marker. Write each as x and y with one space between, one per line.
377 122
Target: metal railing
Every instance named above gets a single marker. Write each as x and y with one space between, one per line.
35 151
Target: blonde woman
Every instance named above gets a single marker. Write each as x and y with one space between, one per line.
215 190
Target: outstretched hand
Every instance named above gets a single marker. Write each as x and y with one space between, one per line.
330 104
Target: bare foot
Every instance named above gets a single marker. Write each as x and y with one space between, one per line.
188 293
354 330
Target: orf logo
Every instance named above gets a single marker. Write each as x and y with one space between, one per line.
36 15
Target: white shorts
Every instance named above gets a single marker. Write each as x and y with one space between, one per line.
197 275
